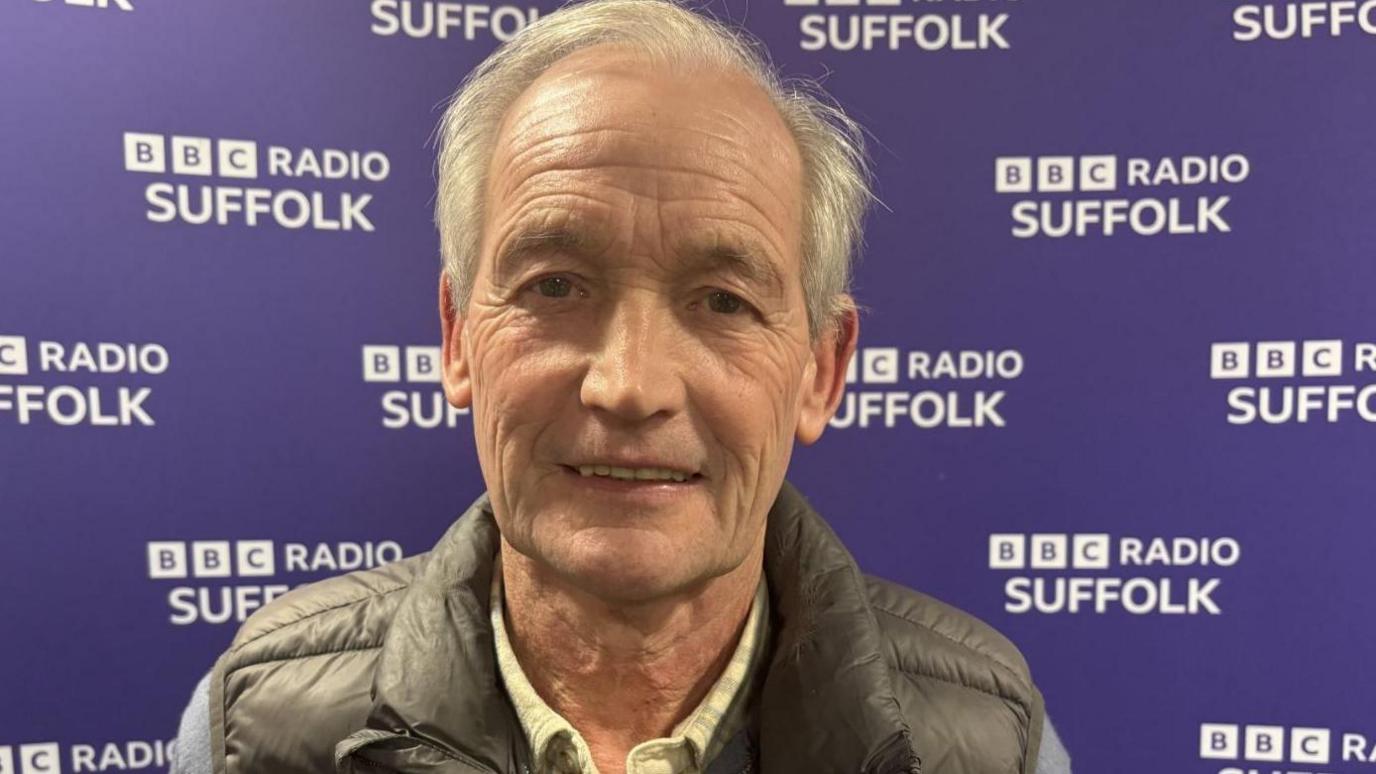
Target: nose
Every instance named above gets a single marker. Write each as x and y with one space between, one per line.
632 374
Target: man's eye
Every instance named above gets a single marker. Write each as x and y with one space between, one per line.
724 303
554 287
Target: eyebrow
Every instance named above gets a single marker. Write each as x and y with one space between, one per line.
530 244
742 258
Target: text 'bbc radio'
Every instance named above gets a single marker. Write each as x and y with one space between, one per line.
1072 196
1305 747
48 758
892 25
947 389
216 564
70 404
279 169
426 409
1293 381
1052 584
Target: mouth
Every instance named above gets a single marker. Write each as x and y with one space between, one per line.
595 473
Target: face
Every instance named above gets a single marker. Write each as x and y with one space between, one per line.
635 350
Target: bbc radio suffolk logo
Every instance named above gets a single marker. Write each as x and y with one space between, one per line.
212 572
892 388
272 185
916 26
78 383
416 399
1309 20
48 757
1318 381
1303 749
1098 574
1104 196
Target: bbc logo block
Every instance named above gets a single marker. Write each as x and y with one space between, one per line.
385 363
1264 743
1049 551
879 365
42 758
873 365
210 559
14 356
1275 359
1055 174
237 158
190 155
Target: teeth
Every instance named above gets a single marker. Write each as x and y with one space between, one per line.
633 474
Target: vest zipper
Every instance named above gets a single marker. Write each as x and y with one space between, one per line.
453 755
896 756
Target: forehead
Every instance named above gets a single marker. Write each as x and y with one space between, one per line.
605 121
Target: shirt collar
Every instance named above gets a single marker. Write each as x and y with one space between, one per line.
557 746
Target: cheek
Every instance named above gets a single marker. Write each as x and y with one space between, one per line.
509 359
519 389
748 398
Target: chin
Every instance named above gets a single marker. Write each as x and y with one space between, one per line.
629 568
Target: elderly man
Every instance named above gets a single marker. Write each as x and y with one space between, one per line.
647 240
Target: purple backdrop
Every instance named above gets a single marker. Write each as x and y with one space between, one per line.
1115 394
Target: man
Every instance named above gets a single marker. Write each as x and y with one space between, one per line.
647 241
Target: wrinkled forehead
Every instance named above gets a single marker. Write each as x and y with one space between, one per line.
609 105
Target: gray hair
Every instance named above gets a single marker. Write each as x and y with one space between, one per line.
835 171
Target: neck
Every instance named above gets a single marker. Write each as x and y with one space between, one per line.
622 673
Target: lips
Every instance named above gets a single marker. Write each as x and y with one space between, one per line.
628 470
634 474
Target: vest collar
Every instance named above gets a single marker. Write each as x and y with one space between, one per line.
827 702
436 678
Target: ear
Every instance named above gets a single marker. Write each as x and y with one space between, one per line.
826 384
458 385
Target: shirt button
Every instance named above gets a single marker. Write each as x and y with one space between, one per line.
562 758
